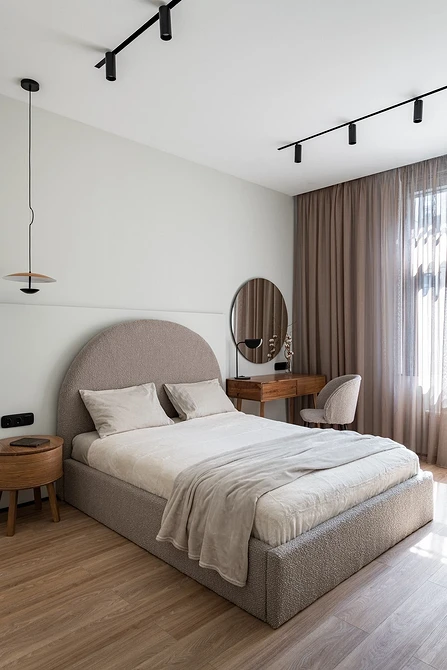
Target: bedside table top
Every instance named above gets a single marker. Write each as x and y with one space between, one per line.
7 450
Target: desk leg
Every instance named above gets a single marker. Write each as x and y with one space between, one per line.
315 395
37 498
291 410
53 502
239 404
261 408
12 514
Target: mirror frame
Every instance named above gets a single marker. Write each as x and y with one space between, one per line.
242 349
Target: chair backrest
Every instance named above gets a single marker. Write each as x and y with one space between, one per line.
339 399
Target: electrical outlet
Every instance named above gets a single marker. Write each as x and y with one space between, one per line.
17 420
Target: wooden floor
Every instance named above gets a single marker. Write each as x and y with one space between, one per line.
77 595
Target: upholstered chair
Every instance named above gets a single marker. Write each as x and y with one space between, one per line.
336 403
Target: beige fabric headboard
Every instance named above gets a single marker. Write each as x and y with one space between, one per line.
131 353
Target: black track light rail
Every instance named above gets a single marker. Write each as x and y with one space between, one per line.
138 32
362 118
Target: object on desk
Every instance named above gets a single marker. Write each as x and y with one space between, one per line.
272 347
252 343
30 442
288 353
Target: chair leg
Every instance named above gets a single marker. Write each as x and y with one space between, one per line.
344 426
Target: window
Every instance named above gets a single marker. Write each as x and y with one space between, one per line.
428 270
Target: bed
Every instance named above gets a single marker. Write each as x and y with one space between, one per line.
294 558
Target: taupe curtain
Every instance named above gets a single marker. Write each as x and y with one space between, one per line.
369 298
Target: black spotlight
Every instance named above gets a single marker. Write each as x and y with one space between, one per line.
110 66
164 14
417 112
298 153
352 133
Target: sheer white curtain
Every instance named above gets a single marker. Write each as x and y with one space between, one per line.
421 324
369 298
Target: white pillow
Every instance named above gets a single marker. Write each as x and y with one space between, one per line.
200 399
118 410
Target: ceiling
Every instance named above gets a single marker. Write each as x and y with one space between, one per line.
240 78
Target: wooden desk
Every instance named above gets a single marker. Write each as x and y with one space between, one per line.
272 387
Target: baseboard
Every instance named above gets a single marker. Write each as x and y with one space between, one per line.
24 504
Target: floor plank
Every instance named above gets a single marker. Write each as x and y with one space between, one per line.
395 641
415 664
371 605
327 645
441 500
440 577
434 650
200 647
440 474
264 646
120 640
24 636
77 595
423 541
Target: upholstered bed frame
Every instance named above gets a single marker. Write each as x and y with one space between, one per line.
282 580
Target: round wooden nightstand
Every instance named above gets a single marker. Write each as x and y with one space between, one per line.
30 468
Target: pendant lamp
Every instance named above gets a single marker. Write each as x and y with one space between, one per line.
29 277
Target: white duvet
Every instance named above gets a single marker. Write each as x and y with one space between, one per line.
151 458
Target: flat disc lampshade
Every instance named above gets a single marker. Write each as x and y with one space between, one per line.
25 277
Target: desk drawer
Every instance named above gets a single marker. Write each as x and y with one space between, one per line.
247 390
309 384
284 388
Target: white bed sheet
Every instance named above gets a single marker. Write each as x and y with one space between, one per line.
151 458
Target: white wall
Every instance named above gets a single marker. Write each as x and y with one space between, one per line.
47 351
121 225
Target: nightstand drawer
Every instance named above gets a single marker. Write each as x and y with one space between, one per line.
30 470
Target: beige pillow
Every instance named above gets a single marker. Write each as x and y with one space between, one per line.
193 401
117 410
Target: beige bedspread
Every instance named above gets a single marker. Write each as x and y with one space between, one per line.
211 510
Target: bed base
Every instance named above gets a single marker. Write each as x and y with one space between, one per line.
283 580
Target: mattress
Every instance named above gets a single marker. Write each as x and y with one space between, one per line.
151 458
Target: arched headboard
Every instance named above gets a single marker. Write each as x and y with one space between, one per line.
128 354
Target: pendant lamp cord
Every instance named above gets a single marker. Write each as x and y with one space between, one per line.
29 182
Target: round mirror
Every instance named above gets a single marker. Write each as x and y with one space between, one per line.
259 311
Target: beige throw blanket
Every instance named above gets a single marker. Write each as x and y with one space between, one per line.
211 510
